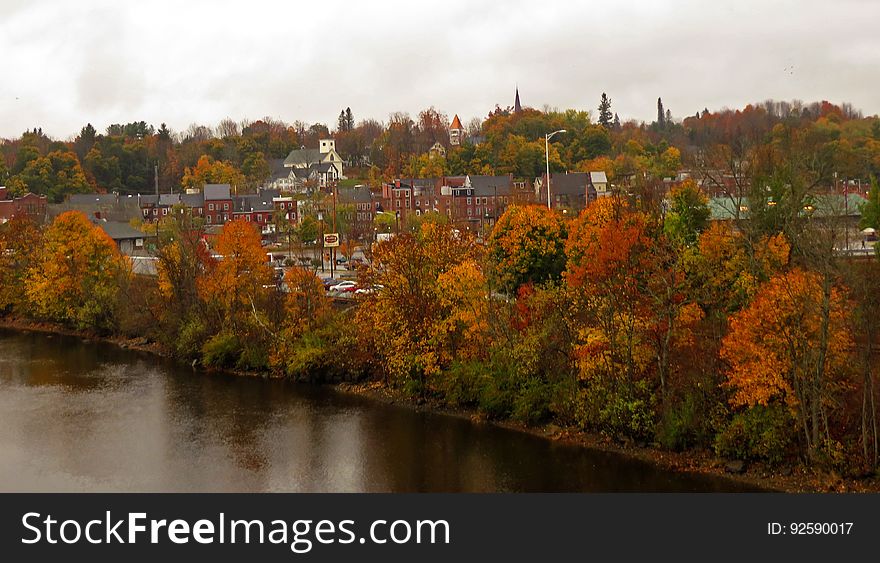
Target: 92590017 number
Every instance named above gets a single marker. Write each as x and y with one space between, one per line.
810 528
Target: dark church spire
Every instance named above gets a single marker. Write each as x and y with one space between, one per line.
516 105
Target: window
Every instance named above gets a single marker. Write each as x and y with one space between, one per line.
259 218
211 207
164 211
208 219
225 207
248 218
407 204
146 212
469 211
155 211
469 201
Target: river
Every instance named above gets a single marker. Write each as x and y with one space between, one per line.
88 416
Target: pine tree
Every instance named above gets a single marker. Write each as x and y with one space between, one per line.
605 111
349 119
661 115
616 121
668 117
341 123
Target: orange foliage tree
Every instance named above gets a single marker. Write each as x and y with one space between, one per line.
608 256
792 344
77 276
234 287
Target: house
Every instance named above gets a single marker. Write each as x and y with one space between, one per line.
568 191
437 149
110 207
473 199
324 165
491 196
280 177
255 208
155 207
130 241
599 181
218 203
412 195
365 206
29 205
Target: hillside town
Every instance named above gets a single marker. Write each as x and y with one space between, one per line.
678 283
310 187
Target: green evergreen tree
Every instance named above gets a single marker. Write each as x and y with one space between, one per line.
605 111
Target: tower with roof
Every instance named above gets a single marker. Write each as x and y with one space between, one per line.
456 132
516 105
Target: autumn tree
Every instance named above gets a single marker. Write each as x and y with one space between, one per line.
774 353
527 245
77 276
20 242
410 323
182 260
306 302
610 262
688 213
210 171
56 175
234 286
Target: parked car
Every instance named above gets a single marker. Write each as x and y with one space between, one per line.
347 285
330 282
369 290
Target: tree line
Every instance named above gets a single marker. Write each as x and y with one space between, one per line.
125 157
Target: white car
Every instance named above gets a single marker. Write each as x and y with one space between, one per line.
343 286
369 290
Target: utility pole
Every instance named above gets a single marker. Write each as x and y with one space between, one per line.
333 249
547 154
156 184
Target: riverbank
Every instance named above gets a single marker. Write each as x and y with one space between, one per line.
788 479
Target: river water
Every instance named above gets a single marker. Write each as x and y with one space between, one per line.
85 416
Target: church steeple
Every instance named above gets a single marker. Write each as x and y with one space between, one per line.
516 105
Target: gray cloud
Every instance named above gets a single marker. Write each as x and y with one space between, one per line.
180 62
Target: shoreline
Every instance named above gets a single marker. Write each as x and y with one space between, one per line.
786 479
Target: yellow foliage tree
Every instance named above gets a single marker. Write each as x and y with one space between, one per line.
20 241
527 245
413 323
77 277
210 171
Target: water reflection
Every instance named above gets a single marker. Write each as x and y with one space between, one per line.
92 417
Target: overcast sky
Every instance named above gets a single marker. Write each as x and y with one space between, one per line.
66 63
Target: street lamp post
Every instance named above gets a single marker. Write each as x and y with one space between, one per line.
547 154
